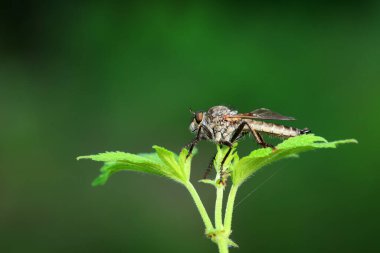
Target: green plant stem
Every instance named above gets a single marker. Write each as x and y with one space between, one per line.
200 206
230 209
223 246
218 208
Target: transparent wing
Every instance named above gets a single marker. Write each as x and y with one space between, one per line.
262 113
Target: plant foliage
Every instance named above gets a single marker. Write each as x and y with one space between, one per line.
161 163
167 164
246 166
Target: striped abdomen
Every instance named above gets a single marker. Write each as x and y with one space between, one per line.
277 130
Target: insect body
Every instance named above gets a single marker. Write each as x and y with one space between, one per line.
224 126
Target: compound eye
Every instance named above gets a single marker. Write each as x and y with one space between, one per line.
198 117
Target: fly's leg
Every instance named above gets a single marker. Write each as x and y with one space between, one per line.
191 146
195 141
221 172
260 139
236 134
209 168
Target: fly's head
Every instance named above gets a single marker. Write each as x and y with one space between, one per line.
196 121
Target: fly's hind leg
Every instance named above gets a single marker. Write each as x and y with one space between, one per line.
260 139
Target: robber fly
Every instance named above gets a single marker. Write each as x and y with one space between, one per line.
225 126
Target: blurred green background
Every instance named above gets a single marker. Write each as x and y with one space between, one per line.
82 78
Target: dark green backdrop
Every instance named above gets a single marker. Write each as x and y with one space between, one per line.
80 78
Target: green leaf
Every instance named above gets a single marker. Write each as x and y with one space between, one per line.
162 163
171 160
291 147
208 181
221 152
111 157
185 163
232 244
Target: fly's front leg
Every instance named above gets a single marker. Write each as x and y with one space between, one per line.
191 146
195 141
